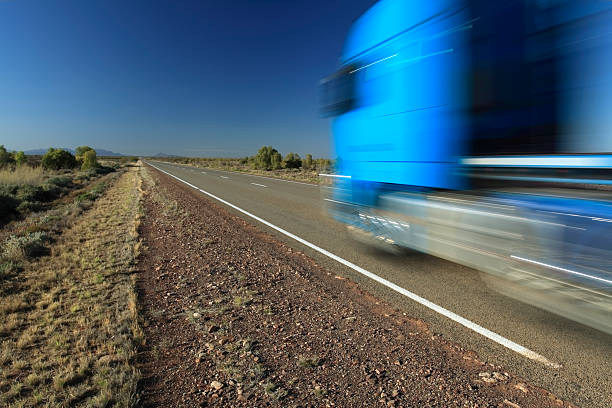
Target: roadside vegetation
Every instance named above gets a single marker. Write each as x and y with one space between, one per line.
32 184
68 240
268 161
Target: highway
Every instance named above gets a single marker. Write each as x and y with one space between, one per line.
578 359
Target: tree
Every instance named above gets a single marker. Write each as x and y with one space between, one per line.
20 158
276 160
87 157
81 150
267 158
307 162
89 160
5 157
56 159
293 161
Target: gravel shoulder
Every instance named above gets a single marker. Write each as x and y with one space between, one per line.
233 317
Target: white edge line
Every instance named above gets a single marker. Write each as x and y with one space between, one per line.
260 185
430 305
334 175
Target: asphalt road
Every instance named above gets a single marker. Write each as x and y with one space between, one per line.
585 354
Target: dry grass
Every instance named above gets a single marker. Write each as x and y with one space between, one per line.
22 175
69 325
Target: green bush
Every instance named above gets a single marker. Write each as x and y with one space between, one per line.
60 181
267 158
89 160
56 159
29 206
292 161
8 189
6 158
92 194
20 158
30 193
307 162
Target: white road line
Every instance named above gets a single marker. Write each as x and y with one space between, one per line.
439 309
278 179
203 172
225 177
260 185
255 175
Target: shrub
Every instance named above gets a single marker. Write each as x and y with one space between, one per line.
7 269
267 158
18 248
28 206
92 194
60 181
79 151
87 157
292 161
307 162
20 158
56 159
29 193
6 158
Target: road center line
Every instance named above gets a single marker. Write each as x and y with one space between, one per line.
260 185
430 305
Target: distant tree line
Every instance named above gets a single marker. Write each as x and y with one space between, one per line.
268 158
53 159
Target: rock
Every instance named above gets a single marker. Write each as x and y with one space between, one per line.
522 387
511 404
216 385
196 315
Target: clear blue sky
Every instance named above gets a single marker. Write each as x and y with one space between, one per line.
197 78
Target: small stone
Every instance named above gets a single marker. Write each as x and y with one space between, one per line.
522 387
216 385
499 376
511 404
196 315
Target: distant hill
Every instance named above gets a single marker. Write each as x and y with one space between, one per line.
164 155
99 152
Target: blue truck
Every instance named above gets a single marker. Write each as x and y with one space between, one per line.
481 132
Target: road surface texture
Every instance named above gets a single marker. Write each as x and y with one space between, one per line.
583 354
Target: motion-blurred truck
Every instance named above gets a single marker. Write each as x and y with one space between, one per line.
481 132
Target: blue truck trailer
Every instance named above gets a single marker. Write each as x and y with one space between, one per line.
481 132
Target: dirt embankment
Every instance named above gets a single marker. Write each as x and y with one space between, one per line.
235 318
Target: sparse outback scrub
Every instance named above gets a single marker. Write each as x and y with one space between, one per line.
68 319
308 171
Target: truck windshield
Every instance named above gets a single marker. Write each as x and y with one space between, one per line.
337 92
